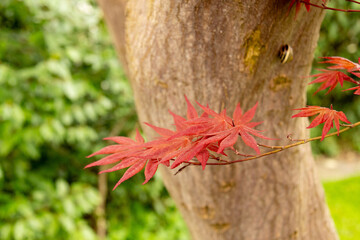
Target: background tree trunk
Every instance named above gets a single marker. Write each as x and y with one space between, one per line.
223 52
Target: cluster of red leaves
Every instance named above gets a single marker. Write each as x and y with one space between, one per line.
331 76
298 3
326 115
197 136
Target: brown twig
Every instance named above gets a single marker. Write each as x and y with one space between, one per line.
217 158
347 125
241 154
271 147
294 140
277 148
353 1
183 167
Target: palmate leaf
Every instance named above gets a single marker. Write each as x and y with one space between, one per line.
326 115
329 79
331 76
194 140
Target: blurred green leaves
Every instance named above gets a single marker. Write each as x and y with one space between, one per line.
52 211
61 91
339 36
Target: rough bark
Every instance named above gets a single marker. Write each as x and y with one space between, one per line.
223 52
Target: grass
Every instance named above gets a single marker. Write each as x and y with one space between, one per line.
343 198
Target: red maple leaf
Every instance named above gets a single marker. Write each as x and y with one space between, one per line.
244 126
326 115
221 130
194 139
342 63
330 79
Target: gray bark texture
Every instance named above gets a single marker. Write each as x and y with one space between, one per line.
222 52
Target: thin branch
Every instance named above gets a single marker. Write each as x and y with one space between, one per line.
241 154
294 140
183 167
271 147
278 148
353 1
348 125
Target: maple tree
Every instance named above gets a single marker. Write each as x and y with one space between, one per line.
203 136
178 48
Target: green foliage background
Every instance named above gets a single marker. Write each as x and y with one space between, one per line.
339 36
61 91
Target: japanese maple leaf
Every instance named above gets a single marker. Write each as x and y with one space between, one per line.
245 128
326 115
221 130
195 137
342 63
330 79
241 126
204 125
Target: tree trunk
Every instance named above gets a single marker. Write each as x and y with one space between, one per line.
224 52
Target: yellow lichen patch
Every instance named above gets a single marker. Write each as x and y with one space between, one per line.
220 227
279 83
227 186
206 212
294 235
184 206
161 84
254 47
